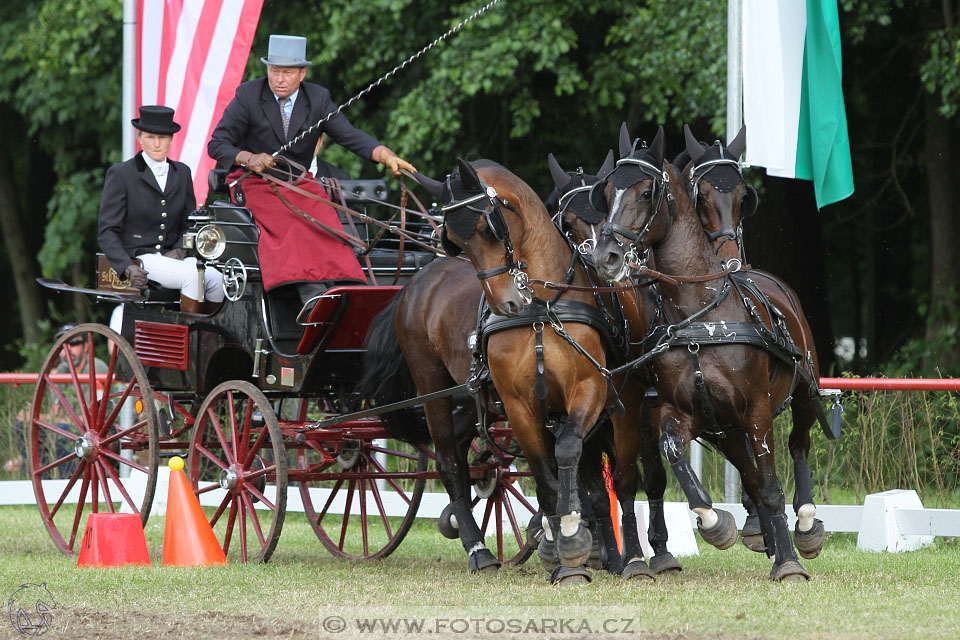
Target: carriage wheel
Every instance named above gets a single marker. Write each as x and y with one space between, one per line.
359 488
237 456
92 441
506 511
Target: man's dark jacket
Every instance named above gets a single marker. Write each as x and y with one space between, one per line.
251 122
136 217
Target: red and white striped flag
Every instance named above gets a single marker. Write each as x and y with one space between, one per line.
190 56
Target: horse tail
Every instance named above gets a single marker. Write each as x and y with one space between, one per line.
597 445
386 378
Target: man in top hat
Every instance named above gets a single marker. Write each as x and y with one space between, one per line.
143 215
264 115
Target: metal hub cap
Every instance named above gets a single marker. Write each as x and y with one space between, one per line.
84 448
228 479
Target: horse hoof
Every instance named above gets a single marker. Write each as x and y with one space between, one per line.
574 550
754 543
637 569
445 523
665 564
809 543
723 534
789 571
482 561
547 550
570 576
535 529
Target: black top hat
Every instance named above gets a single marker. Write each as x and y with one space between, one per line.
156 119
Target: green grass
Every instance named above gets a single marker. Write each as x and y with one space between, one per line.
719 594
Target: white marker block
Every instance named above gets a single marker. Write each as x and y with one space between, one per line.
880 528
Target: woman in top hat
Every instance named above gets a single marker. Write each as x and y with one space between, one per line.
143 215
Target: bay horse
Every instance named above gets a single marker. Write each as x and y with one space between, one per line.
723 199
554 366
577 220
715 385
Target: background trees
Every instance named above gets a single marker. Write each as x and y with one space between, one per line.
524 80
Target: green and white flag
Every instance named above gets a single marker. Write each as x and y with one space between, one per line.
792 95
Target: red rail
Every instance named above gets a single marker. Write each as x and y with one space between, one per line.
17 379
891 384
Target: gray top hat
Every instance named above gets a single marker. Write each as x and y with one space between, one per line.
287 51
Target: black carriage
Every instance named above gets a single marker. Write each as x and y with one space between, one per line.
241 394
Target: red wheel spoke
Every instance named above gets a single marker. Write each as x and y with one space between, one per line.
65 404
333 494
375 490
206 453
92 381
351 487
122 460
121 434
58 429
210 487
243 532
253 449
499 527
261 497
253 518
94 490
260 472
73 480
391 481
520 497
245 433
223 505
116 409
75 381
486 515
107 383
116 480
231 412
363 517
517 532
80 503
231 519
102 481
227 452
56 463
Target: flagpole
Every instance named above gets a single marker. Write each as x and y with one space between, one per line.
731 479
129 92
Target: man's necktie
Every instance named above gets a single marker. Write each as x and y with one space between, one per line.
284 115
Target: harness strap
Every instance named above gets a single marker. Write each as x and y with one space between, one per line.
706 402
540 387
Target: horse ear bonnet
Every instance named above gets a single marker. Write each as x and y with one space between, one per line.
460 185
452 249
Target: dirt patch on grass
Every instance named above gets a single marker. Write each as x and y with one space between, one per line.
131 625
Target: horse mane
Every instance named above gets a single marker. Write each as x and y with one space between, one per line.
681 160
526 196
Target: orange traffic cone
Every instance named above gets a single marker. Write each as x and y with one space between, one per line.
188 539
113 540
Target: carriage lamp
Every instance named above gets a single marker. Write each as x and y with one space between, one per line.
210 242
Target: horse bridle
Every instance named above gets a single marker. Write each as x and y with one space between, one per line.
697 173
498 227
611 229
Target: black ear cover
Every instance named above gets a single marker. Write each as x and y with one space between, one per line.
452 249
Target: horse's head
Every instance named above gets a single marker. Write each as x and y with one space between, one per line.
634 201
480 217
578 219
719 193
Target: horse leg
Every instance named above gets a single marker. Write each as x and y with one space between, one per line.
451 436
626 481
655 484
604 536
786 566
596 508
574 542
718 527
809 534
